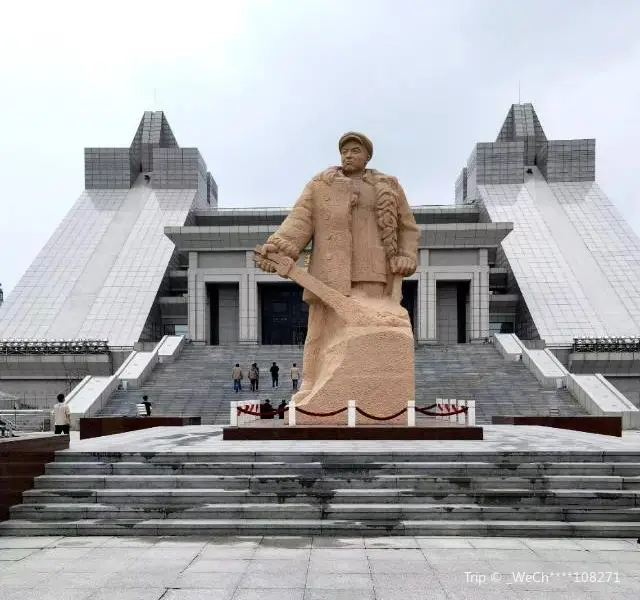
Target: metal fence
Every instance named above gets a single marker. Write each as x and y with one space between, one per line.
77 346
606 344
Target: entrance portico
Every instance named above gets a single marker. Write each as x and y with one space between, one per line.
230 301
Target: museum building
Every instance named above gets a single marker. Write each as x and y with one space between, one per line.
531 245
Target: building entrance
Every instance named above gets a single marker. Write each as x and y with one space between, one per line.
452 312
283 314
409 294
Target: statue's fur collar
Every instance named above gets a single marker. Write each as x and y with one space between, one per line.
371 176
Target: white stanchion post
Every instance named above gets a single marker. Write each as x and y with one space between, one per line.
351 413
411 413
462 416
233 416
292 412
471 412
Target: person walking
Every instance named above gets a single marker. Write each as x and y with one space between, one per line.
236 375
275 370
147 404
61 416
258 376
295 376
253 377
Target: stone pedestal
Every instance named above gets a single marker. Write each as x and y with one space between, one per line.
373 366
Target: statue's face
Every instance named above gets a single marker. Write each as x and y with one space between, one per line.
354 157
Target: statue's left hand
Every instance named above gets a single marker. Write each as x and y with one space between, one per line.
402 265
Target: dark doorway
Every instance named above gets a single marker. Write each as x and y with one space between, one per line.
462 302
283 314
409 299
214 311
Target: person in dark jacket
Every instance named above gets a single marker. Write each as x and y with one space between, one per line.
266 410
275 370
281 409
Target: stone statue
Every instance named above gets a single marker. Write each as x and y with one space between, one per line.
364 238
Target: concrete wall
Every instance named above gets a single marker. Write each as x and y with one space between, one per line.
447 313
628 386
228 314
213 260
453 258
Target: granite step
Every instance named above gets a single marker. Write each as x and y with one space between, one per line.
361 459
326 527
296 483
193 496
445 469
331 511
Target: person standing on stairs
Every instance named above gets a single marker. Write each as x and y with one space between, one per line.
275 370
295 376
253 377
236 375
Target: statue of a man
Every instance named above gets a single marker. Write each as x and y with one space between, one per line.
363 236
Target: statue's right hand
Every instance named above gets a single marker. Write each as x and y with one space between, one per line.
264 264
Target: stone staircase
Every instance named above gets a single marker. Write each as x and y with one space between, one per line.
199 383
520 493
478 372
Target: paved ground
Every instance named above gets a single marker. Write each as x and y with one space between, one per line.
501 438
303 568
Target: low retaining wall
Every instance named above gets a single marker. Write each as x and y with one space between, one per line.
21 461
601 425
97 426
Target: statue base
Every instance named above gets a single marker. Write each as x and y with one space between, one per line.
373 366
277 430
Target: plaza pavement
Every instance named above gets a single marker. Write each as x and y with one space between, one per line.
317 568
304 568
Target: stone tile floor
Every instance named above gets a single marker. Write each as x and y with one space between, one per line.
305 568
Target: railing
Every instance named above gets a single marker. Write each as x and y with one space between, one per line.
34 401
28 420
606 344
462 412
77 346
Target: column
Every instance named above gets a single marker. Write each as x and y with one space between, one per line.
421 317
201 307
192 296
248 309
252 316
483 291
484 302
432 333
474 294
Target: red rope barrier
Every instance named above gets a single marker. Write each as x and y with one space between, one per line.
271 413
462 409
370 416
313 414
424 411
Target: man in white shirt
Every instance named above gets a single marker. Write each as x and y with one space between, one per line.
61 416
295 375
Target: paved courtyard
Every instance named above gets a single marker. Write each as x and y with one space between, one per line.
301 568
497 438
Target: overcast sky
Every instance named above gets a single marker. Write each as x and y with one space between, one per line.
265 88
